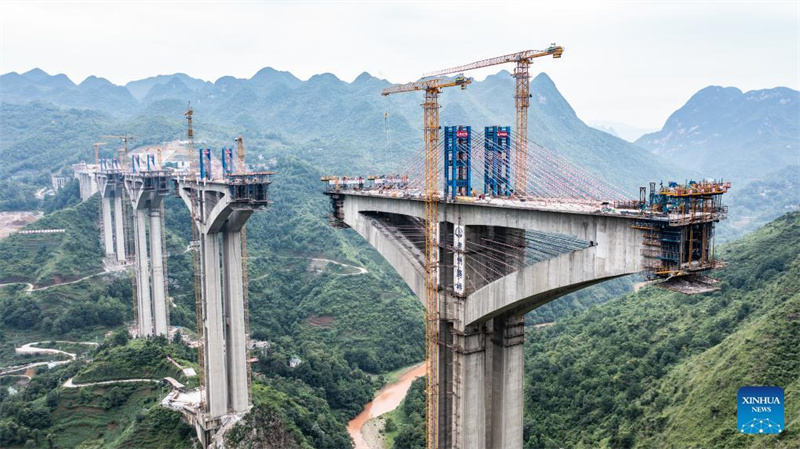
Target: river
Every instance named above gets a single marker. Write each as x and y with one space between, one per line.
387 399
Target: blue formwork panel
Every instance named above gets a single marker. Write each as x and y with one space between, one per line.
457 161
497 161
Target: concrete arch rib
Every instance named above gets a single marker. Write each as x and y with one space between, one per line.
399 256
540 283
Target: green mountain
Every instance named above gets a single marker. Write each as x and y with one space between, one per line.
725 132
660 369
341 126
308 298
761 201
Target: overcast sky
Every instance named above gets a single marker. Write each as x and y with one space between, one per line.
629 62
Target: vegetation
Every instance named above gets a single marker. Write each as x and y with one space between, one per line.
630 365
410 419
137 359
47 259
658 367
288 414
76 311
759 202
125 415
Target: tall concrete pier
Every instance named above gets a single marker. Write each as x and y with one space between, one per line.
85 174
497 261
146 190
109 181
219 210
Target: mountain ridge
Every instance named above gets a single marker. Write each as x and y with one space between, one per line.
753 132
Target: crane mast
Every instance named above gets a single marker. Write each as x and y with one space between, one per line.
97 146
123 152
522 99
430 107
240 153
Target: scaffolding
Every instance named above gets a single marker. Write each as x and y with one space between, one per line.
678 224
457 161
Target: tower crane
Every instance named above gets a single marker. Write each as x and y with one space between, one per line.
522 98
432 88
123 153
240 153
96 147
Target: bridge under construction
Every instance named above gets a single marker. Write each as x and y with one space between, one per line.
487 226
484 225
221 194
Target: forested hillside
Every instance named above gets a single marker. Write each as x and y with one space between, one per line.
662 369
635 371
737 135
344 326
340 126
659 368
761 201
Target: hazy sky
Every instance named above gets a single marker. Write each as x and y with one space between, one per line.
631 62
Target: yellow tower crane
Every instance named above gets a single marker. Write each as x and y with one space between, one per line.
522 98
432 88
240 153
96 147
123 152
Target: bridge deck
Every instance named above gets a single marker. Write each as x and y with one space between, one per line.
567 206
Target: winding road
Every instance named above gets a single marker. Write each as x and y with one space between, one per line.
30 348
70 384
106 269
360 271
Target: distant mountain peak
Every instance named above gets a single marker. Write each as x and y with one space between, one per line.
94 81
753 132
36 74
324 78
543 80
269 72
363 78
269 75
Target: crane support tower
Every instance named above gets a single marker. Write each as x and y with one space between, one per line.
430 107
497 161
522 99
457 161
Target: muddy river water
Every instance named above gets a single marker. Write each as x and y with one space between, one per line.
387 399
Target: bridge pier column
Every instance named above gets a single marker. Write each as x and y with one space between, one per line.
157 274
473 375
214 335
108 236
235 331
505 353
119 231
82 187
143 290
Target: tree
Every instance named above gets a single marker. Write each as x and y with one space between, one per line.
120 338
389 426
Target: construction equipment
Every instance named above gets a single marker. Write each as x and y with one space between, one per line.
123 152
97 146
678 221
189 134
432 88
522 98
240 153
